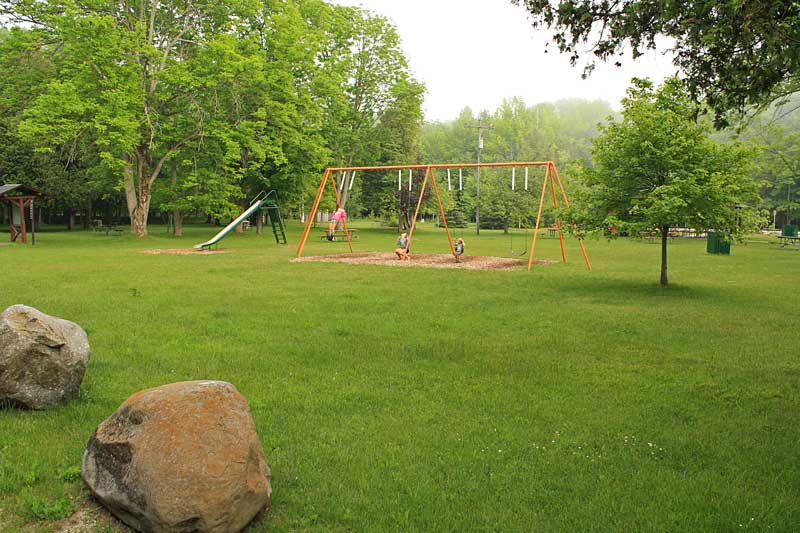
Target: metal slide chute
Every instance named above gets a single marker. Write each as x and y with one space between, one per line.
255 205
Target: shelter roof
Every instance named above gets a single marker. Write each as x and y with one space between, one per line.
19 190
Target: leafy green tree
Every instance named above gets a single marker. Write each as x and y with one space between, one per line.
776 134
372 103
735 54
140 83
658 169
69 173
560 132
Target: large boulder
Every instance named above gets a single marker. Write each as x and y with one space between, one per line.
178 458
42 358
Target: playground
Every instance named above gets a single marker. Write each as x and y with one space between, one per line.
509 390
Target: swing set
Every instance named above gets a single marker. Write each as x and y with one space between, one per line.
551 177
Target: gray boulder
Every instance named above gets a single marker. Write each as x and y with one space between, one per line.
178 458
42 358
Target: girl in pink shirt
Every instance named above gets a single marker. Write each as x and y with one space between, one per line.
336 217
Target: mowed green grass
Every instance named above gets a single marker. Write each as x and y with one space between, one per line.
426 399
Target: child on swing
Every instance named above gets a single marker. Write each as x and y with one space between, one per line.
402 243
336 217
459 249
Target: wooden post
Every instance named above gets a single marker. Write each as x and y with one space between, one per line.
33 226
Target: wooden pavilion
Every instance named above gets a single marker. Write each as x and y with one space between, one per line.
19 197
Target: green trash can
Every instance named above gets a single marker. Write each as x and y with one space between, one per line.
717 244
789 230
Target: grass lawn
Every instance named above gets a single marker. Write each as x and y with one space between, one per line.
427 399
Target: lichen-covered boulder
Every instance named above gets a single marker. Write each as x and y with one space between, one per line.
178 458
42 358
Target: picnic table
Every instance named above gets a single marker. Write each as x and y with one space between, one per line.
654 235
340 235
99 227
649 235
786 240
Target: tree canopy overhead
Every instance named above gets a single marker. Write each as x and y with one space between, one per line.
734 54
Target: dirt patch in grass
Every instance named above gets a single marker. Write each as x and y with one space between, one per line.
183 251
471 262
91 516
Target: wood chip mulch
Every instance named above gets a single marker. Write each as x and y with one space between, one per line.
470 262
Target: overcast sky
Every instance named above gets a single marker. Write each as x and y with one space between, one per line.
477 52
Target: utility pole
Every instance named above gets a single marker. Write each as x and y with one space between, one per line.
480 127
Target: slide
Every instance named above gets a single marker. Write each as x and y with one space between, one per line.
238 220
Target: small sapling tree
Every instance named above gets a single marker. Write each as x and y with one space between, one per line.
657 168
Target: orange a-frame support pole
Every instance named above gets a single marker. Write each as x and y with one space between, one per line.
416 212
538 219
558 220
441 212
339 204
574 225
312 213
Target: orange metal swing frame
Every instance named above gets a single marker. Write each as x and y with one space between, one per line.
551 177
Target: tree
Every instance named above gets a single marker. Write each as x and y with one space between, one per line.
657 168
69 172
365 87
138 81
734 54
776 134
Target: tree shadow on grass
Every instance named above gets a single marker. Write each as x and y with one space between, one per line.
629 291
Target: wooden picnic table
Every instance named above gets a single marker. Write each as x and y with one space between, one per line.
340 235
786 240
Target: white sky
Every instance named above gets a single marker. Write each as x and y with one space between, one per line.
477 52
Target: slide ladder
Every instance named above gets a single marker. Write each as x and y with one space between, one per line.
255 205
273 211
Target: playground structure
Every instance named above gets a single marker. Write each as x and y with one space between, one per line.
551 177
18 197
266 201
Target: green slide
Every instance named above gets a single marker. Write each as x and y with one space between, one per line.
255 205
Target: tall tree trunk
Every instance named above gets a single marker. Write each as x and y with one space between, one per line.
139 194
87 216
345 194
664 236
239 227
130 189
140 213
177 221
260 223
70 220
